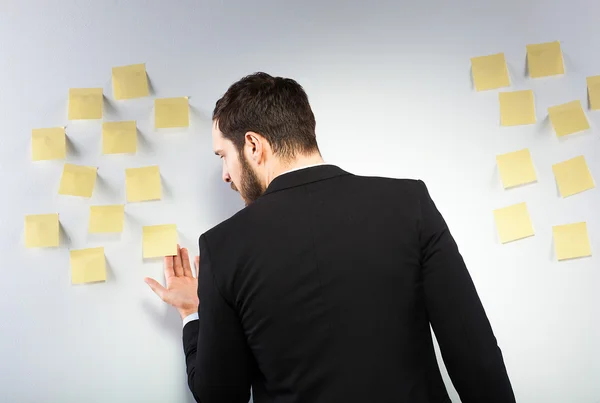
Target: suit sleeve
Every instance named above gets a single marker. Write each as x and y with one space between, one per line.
216 353
467 343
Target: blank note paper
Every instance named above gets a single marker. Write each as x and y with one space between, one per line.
513 223
545 59
48 144
42 231
571 241
573 176
516 168
517 108
88 265
85 103
143 183
160 240
119 137
77 180
568 118
130 81
490 72
171 112
106 218
593 84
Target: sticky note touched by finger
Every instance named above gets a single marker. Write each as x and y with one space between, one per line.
48 144
130 81
119 137
573 176
160 240
516 168
88 265
77 180
85 103
571 241
545 59
42 230
568 118
490 72
171 112
106 218
517 108
593 84
143 183
513 223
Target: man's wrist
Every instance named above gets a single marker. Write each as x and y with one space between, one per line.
186 313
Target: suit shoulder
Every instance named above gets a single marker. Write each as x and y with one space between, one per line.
227 228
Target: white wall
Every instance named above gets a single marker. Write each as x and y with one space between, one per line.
391 89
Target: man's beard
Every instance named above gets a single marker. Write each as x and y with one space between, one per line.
250 186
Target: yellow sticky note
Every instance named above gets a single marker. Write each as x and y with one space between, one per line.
517 108
48 144
160 240
545 59
571 241
171 112
513 223
593 84
573 176
119 137
85 103
490 72
106 218
143 183
88 265
130 81
42 230
516 168
568 118
77 180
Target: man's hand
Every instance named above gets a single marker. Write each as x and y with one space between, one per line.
182 286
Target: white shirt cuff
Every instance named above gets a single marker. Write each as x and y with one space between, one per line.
190 318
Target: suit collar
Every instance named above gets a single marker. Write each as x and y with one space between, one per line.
304 176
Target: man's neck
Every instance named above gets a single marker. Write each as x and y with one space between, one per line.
298 163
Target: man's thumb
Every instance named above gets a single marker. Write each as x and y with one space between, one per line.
156 287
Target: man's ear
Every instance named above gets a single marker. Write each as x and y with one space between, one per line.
254 146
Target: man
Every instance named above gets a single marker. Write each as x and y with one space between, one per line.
323 288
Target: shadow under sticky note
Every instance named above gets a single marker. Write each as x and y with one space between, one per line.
88 265
159 240
130 81
48 144
573 176
42 231
119 137
85 103
143 184
517 108
593 84
77 180
171 112
571 241
568 118
490 72
545 59
516 168
513 223
106 218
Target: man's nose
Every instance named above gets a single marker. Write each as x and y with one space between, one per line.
226 177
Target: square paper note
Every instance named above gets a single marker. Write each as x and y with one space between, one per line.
48 144
573 176
119 137
160 240
593 84
106 218
571 241
568 118
85 103
171 112
545 59
42 231
513 223
88 265
516 108
77 180
130 81
143 183
490 72
516 168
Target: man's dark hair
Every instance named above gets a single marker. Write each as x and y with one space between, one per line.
275 107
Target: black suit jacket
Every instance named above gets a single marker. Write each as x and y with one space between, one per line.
323 290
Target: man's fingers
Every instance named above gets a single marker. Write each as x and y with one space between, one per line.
169 272
197 265
178 266
185 259
156 287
